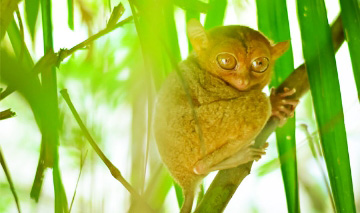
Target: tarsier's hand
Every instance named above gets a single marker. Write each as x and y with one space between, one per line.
281 106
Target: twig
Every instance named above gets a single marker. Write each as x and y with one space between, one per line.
7 114
50 58
82 161
113 170
316 154
62 54
8 177
226 181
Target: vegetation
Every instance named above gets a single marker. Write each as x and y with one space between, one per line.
109 58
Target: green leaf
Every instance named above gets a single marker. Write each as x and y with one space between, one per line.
193 5
171 32
319 57
179 194
31 11
116 14
7 8
159 186
70 4
18 45
273 22
351 18
216 13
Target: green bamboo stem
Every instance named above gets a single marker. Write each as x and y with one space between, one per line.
51 138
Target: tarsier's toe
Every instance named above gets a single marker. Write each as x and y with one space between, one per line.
266 145
282 107
256 153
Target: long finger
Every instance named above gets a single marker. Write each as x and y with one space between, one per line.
287 93
293 103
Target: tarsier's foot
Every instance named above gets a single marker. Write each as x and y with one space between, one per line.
250 153
257 153
245 155
282 107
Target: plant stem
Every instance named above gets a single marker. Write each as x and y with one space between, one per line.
115 172
8 177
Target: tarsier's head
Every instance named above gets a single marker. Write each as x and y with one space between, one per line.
240 56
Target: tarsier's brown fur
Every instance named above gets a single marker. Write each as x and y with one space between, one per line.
230 107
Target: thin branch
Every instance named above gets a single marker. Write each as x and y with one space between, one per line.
113 170
226 181
8 177
7 114
50 58
62 54
316 153
82 161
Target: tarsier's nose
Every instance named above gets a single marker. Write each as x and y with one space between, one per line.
242 83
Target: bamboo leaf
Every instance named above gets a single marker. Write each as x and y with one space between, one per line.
18 45
7 8
116 15
70 4
158 188
193 5
273 22
31 12
179 194
351 18
320 62
216 13
170 27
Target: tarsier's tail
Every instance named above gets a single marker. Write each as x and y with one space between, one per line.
188 202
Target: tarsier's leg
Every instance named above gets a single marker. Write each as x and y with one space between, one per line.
282 107
244 155
203 166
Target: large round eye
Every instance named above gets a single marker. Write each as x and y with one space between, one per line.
226 61
260 64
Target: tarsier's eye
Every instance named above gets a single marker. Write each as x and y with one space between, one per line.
226 61
260 64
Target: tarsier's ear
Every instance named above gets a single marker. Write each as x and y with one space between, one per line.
197 35
279 48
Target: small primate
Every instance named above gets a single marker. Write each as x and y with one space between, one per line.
208 117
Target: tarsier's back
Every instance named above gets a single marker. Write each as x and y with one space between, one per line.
218 108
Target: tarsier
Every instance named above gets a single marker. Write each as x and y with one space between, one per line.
208 116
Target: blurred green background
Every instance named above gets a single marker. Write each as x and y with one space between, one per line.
112 81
